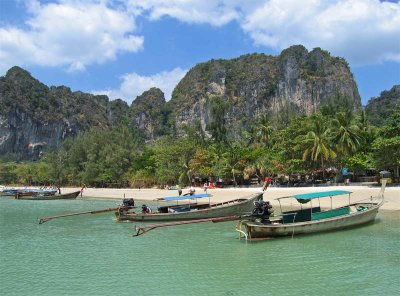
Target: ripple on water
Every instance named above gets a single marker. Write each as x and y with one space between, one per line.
93 255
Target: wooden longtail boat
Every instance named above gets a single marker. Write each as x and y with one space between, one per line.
312 219
71 195
193 211
27 192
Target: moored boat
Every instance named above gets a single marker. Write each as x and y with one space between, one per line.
27 192
71 195
311 219
193 211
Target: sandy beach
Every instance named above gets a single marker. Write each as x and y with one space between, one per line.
392 194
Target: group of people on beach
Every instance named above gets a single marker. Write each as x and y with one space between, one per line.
192 190
51 187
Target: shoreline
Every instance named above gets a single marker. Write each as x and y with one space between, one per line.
359 192
392 194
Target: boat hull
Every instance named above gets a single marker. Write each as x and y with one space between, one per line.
230 208
27 192
72 195
259 230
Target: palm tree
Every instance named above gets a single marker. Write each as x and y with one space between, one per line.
264 130
367 132
346 134
234 160
317 142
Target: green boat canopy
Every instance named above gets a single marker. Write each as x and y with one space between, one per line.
305 197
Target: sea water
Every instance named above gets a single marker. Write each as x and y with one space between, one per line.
94 255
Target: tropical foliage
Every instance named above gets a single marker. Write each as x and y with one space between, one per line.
119 156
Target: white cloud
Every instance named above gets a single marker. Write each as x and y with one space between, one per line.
134 84
362 31
216 13
72 34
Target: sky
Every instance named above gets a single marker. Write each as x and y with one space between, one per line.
124 47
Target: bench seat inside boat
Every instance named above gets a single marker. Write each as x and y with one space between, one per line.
299 215
330 213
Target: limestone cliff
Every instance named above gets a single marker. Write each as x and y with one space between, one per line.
379 108
296 80
34 117
147 113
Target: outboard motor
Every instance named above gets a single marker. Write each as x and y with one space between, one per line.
126 205
262 210
128 202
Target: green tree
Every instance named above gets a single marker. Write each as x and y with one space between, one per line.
367 132
202 162
56 162
289 158
338 103
7 173
360 161
345 134
316 144
218 107
234 160
172 160
264 130
387 145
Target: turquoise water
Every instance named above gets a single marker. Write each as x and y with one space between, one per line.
93 255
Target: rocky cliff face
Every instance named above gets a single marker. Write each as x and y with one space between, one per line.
379 108
34 117
148 113
251 85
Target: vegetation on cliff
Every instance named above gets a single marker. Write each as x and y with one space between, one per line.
19 90
379 108
232 119
117 157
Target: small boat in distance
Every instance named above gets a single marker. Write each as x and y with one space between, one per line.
193 211
72 195
27 191
311 219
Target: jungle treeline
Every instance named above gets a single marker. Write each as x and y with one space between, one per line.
332 138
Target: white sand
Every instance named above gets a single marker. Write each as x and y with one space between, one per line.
392 194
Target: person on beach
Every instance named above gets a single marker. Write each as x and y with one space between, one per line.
267 181
83 187
179 190
205 187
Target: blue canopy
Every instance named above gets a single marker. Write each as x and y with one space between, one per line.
170 198
309 196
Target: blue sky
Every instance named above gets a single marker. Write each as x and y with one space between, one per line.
123 47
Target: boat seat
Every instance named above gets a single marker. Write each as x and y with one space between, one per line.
331 213
353 209
299 215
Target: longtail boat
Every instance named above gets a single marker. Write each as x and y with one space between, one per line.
27 191
71 195
193 211
309 220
